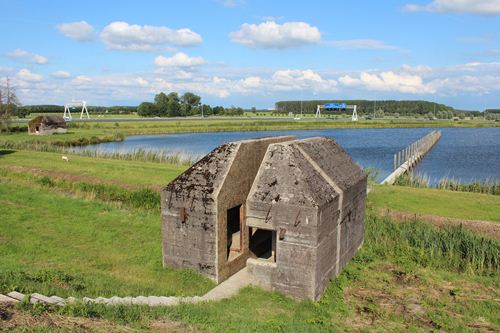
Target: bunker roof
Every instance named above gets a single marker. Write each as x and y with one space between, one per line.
308 172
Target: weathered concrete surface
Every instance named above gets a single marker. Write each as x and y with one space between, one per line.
312 195
230 286
16 295
195 204
7 299
46 125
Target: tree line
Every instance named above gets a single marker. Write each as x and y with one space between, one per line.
367 107
188 104
26 110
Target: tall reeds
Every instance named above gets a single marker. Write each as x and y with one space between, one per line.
487 186
452 248
159 156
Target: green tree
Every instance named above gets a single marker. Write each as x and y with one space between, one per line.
8 105
207 110
161 101
190 103
379 113
174 105
218 110
147 109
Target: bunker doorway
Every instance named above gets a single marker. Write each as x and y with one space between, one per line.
263 244
234 236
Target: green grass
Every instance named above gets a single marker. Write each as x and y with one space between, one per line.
67 246
56 239
462 205
110 171
399 281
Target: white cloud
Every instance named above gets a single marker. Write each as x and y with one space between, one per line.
252 82
232 3
28 56
388 81
81 79
18 53
179 59
421 69
273 35
26 75
40 60
61 75
6 69
288 80
133 37
80 31
183 75
481 7
362 44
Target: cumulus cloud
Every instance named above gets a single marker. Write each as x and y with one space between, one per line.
28 56
388 81
421 69
288 80
481 7
179 59
80 31
133 37
61 75
26 75
6 69
362 44
232 3
270 34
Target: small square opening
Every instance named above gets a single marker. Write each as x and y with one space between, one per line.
262 243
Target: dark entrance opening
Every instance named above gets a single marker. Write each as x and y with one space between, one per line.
261 243
233 232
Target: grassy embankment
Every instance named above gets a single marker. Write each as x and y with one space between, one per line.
56 239
461 205
94 132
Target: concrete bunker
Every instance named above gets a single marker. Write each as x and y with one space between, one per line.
46 125
291 211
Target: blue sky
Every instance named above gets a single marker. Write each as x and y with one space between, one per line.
253 53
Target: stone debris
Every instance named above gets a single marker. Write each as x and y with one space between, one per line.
227 289
39 298
16 295
6 299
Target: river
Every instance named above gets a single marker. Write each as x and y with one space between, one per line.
465 154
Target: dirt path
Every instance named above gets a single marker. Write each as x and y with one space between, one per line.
486 228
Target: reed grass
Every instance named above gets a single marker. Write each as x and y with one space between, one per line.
452 248
176 158
487 186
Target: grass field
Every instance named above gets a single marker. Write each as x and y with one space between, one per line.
58 240
396 282
94 132
128 174
462 205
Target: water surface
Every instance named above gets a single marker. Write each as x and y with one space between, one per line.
462 153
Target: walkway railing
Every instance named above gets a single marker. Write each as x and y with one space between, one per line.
407 158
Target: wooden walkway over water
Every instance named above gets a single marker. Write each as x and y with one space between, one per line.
407 158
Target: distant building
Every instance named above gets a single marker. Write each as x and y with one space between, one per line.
45 125
291 211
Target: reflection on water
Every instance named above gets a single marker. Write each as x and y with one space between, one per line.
462 153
